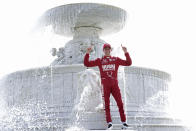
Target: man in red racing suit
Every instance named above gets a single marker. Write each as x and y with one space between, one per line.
108 66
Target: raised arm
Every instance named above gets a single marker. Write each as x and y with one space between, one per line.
128 60
91 63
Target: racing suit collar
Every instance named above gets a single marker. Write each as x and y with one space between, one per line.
107 56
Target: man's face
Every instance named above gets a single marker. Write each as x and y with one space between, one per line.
107 51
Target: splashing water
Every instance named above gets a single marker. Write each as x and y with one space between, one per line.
75 128
159 101
88 98
90 89
36 115
26 116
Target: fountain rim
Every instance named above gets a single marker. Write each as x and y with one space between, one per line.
38 71
109 25
83 3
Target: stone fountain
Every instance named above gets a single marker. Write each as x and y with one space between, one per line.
57 96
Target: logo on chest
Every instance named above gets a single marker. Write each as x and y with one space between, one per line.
104 61
110 67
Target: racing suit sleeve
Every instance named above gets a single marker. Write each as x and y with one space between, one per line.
126 62
91 63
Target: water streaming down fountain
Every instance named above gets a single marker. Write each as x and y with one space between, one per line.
59 95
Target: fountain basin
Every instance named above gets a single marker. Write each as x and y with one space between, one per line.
144 93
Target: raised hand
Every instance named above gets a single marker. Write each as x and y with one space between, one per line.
89 49
124 49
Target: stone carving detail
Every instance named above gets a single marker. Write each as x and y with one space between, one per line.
60 56
89 91
74 51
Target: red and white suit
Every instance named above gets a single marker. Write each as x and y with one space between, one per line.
108 67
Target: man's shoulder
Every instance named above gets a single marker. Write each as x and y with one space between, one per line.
98 59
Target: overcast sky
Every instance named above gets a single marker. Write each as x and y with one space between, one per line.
159 34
